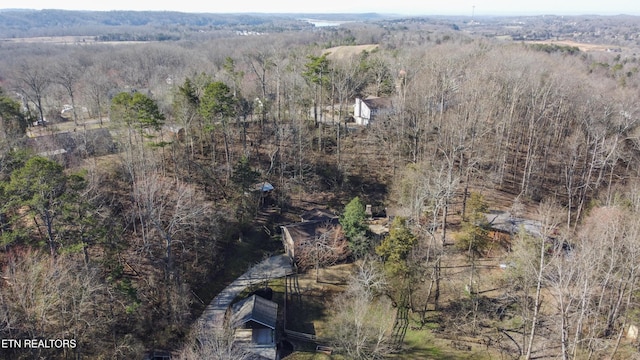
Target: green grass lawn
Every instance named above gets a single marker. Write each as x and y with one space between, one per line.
304 313
423 344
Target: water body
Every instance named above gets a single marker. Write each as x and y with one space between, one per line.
323 23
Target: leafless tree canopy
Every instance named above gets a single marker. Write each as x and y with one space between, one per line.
150 227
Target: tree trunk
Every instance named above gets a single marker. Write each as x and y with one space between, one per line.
536 304
48 222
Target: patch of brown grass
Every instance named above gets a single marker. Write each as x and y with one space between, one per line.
582 46
345 52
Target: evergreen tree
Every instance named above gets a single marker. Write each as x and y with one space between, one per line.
217 102
474 235
61 218
137 110
395 248
354 227
12 121
217 106
243 175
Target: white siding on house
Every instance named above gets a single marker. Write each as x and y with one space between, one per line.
361 112
287 240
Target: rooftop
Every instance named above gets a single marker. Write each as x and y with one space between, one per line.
256 309
309 229
378 102
316 214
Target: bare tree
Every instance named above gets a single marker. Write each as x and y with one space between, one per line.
34 81
262 64
170 207
347 79
424 192
216 343
96 87
328 247
606 250
362 319
49 299
548 214
67 73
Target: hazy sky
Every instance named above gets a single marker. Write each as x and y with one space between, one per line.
414 7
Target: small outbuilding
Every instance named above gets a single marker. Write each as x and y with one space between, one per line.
263 187
254 320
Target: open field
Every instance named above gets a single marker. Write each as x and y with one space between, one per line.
67 126
345 52
50 40
582 46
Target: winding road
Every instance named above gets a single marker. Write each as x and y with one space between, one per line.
271 268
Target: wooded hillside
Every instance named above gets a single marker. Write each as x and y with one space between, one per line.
118 237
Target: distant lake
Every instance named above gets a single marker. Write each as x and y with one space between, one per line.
321 23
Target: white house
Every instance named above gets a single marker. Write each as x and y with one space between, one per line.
365 111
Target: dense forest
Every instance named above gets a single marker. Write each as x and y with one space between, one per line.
127 173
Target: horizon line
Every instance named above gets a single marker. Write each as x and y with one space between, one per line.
496 14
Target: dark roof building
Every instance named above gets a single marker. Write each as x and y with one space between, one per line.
316 214
298 233
254 321
255 309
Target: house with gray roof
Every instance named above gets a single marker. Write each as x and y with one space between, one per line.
254 320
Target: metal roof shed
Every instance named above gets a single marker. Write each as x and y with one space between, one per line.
255 309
